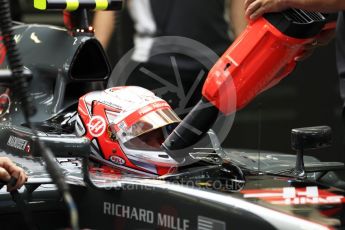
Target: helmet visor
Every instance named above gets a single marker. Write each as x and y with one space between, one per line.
145 124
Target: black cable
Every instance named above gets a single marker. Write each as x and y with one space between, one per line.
21 87
259 136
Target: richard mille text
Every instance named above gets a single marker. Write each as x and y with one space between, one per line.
145 216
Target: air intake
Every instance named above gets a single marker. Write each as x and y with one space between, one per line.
301 16
90 63
297 23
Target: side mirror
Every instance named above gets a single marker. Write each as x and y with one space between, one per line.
306 139
311 138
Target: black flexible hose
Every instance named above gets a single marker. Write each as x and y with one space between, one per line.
191 130
21 86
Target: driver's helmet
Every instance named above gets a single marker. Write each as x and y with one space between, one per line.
126 126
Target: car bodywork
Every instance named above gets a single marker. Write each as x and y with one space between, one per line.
131 202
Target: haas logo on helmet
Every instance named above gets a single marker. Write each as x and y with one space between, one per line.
97 126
